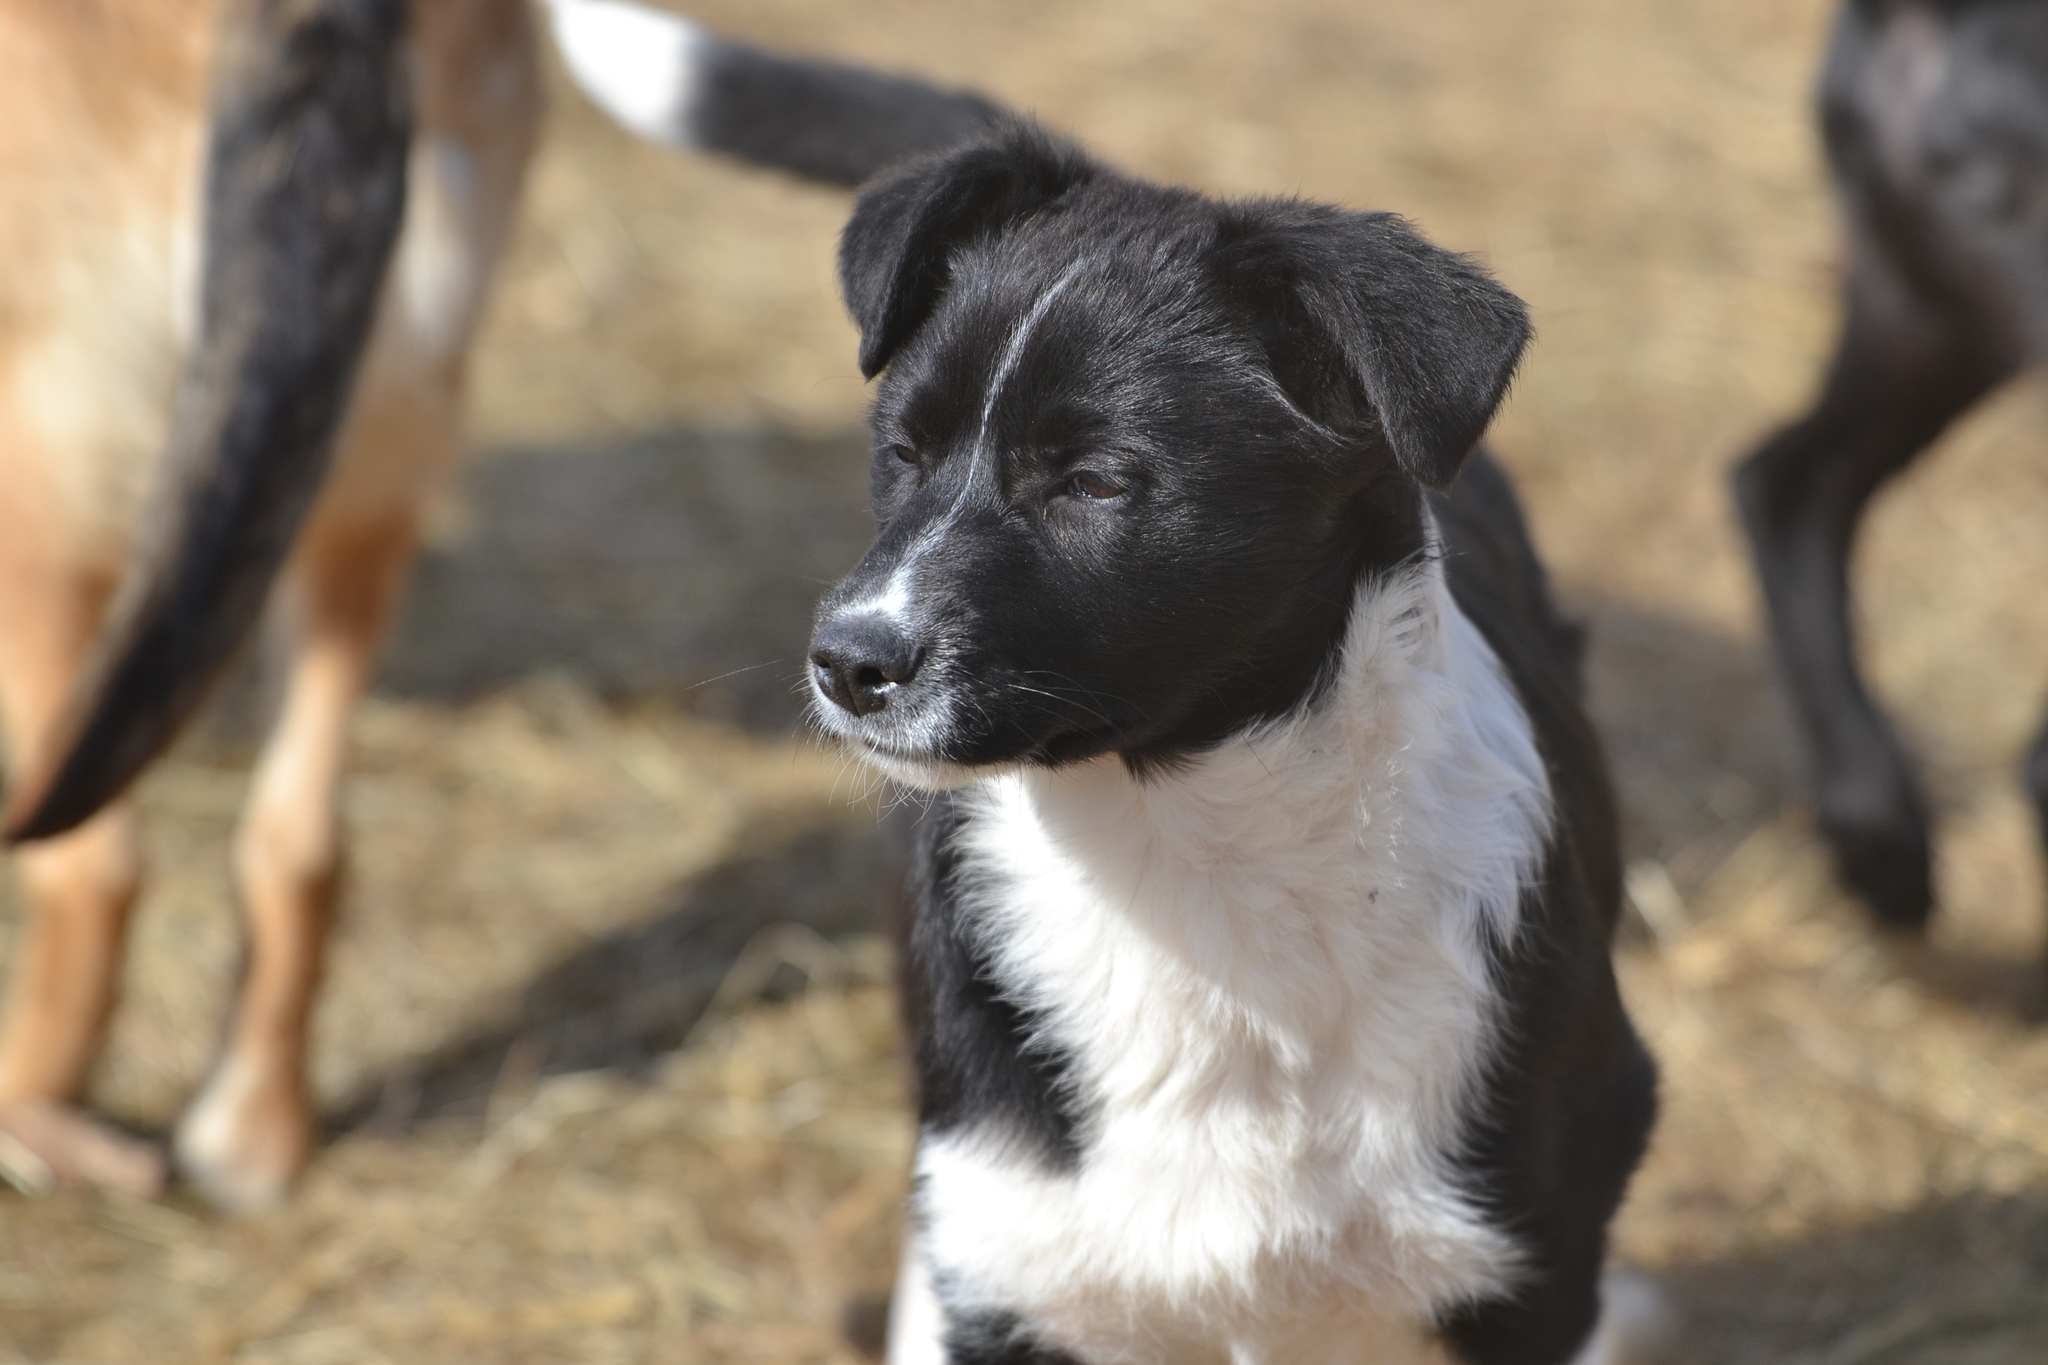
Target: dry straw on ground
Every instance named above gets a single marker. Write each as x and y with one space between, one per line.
571 825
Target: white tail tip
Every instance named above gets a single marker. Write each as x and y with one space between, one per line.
637 64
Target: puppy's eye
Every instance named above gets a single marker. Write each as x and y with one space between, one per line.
1089 484
896 450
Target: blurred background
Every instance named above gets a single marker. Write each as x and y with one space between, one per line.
608 1051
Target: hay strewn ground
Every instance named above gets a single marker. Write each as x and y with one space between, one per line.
569 834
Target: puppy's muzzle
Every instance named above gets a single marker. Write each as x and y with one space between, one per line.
862 662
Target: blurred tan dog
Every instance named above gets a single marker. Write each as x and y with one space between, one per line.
114 152
245 249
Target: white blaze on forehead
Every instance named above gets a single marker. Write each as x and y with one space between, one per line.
1014 351
896 596
637 64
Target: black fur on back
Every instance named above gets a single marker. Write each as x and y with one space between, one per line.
1572 1092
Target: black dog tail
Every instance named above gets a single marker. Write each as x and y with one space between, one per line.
673 82
305 190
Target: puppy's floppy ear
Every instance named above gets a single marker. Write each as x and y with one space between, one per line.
1356 307
895 257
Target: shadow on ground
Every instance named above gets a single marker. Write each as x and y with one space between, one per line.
1961 1282
624 1001
1689 715
678 565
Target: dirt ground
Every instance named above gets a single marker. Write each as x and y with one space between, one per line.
608 1049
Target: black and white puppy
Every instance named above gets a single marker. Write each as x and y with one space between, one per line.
1257 960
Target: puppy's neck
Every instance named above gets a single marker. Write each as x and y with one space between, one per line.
1383 528
1410 788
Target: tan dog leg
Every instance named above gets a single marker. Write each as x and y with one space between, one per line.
79 891
252 1130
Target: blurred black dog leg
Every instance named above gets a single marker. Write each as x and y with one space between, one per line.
1936 129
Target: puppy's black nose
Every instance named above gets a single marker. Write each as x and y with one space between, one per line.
858 663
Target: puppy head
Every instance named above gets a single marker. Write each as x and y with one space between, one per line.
1134 449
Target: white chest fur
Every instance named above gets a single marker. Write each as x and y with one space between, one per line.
1270 972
